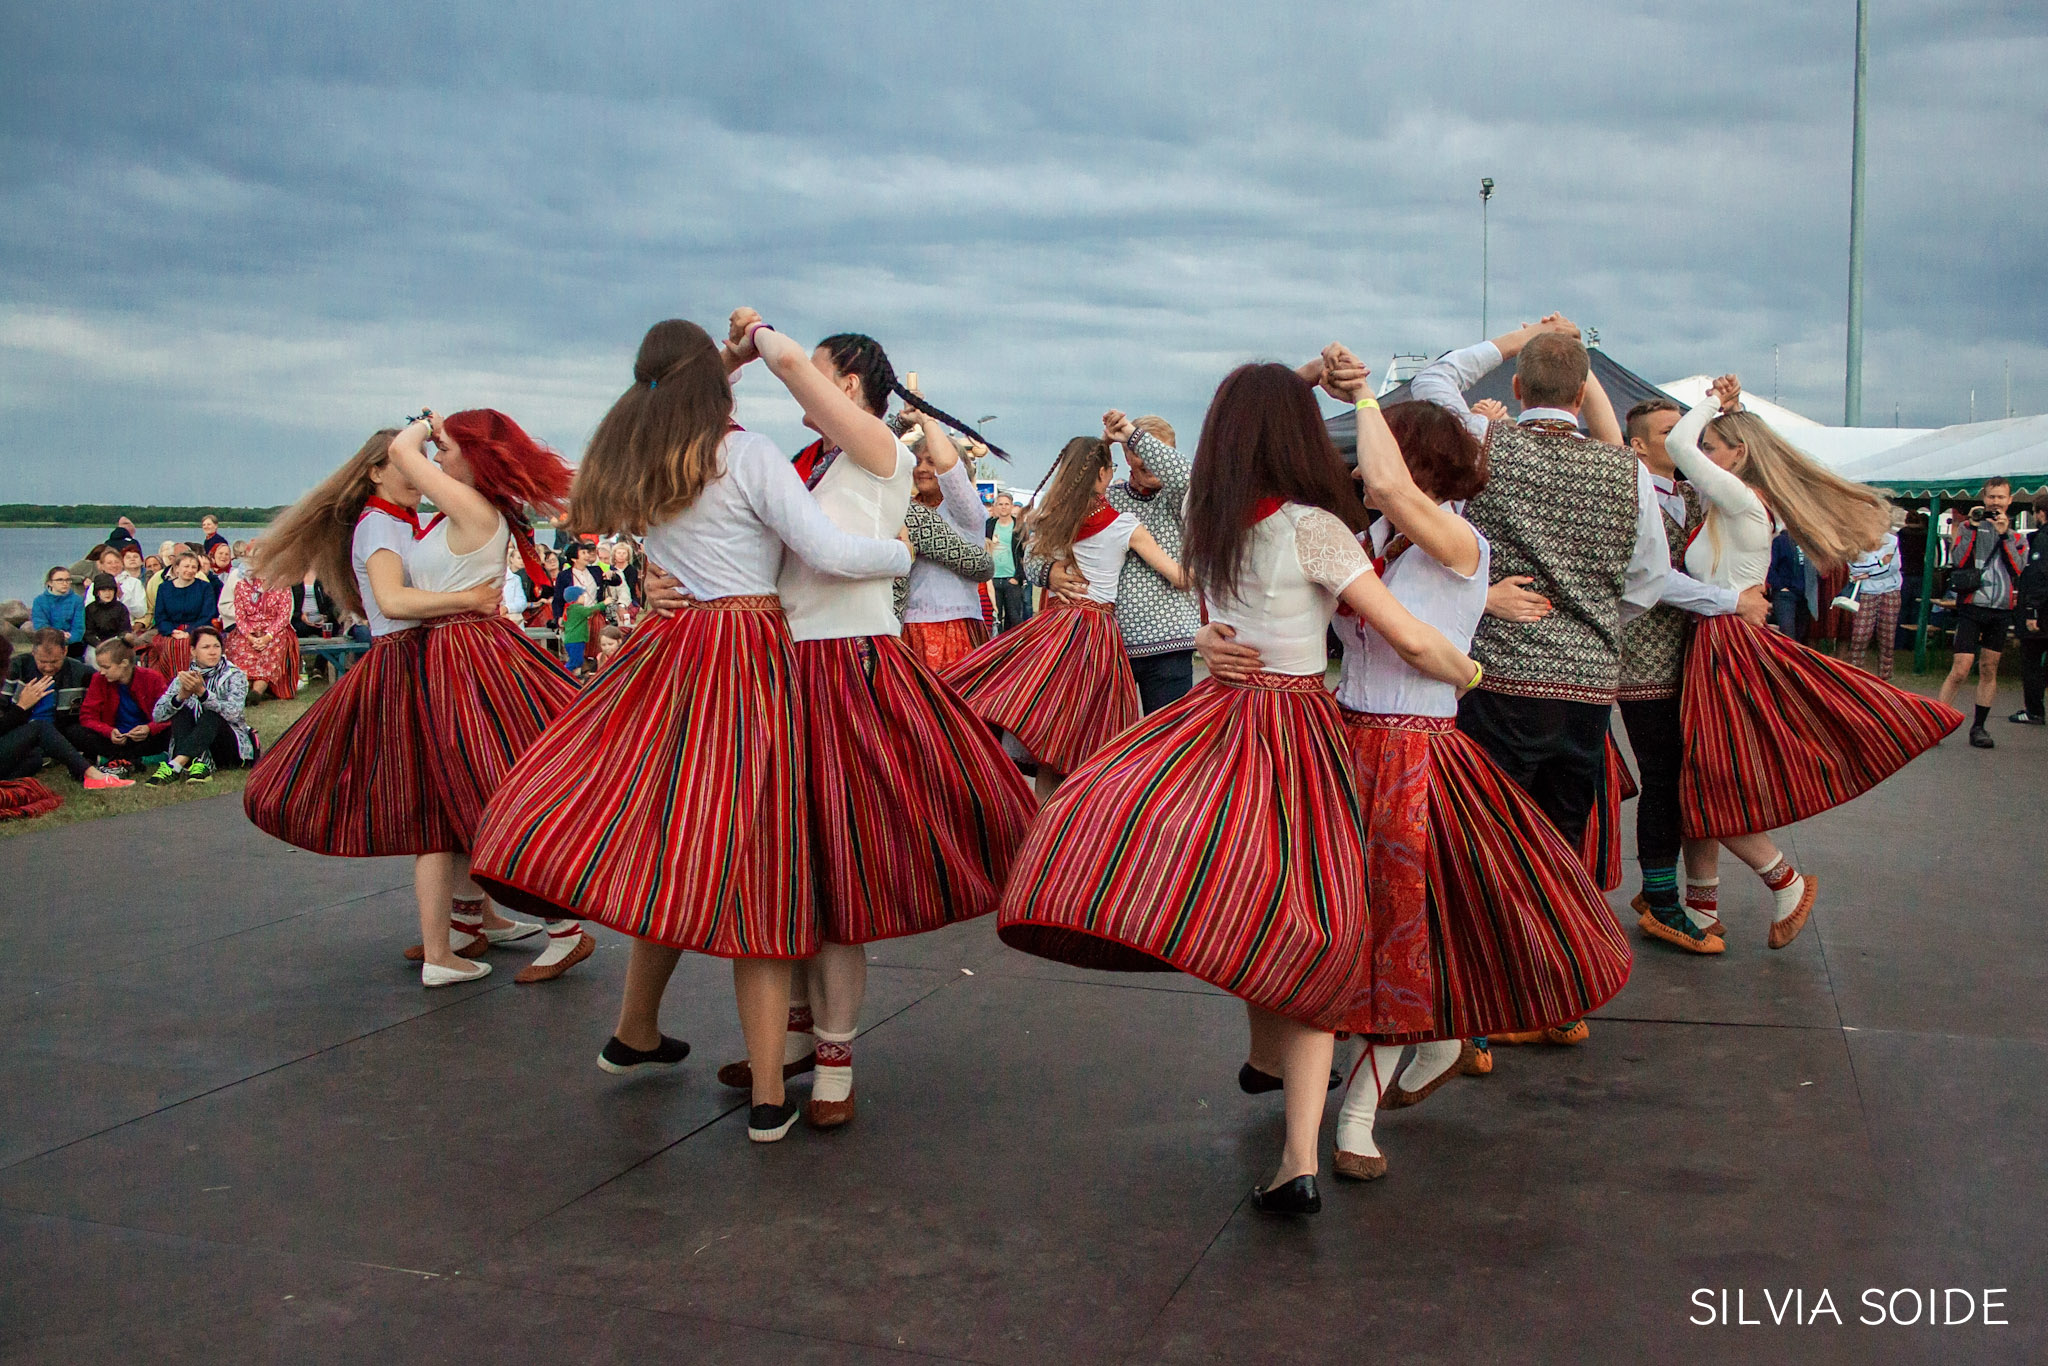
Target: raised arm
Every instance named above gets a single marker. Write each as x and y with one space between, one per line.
960 500
782 502
1168 462
1598 411
475 520
865 438
1435 530
1719 487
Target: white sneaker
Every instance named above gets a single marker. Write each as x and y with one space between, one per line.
431 976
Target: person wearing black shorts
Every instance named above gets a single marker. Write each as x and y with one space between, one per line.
1988 557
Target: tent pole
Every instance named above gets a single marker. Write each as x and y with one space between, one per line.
1927 559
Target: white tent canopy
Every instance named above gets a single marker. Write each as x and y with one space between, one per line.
1835 447
1955 461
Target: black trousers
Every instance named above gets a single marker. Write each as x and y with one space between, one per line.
204 736
1658 739
23 749
2033 653
1013 603
1164 679
1556 751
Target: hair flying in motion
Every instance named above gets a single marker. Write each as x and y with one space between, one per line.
514 473
317 533
1057 512
1833 519
857 354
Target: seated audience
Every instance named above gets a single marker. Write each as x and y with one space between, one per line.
262 644
209 531
106 616
119 704
39 715
183 604
204 706
221 567
58 608
313 612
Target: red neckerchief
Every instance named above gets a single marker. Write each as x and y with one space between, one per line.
407 515
1095 521
811 462
1263 509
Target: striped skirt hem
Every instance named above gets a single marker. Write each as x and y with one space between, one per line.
487 690
1060 683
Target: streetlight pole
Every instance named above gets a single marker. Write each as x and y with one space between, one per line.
1852 390
1485 193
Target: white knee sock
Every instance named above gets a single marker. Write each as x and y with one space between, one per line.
1787 887
563 937
1432 1060
1702 901
834 1079
1362 1101
465 924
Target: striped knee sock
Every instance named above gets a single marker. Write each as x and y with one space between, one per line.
1660 885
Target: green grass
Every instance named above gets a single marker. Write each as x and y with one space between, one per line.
270 720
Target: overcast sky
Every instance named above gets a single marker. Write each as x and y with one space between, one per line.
236 238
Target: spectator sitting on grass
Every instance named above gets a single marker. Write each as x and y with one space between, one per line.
57 608
221 566
209 532
106 616
39 711
204 707
134 572
111 563
119 703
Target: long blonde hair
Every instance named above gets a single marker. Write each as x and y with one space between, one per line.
318 531
1833 519
1057 511
657 448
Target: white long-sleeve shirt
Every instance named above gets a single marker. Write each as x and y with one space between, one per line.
935 592
1444 382
1733 549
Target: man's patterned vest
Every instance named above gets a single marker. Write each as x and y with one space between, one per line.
1560 508
1653 645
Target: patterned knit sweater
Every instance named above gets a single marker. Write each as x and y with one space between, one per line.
1653 645
1153 617
1560 508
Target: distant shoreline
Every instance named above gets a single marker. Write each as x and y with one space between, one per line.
106 514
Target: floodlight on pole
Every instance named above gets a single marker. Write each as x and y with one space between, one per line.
1852 386
1485 194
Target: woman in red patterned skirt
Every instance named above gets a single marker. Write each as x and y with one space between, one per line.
1484 921
262 644
1775 732
1061 684
669 800
487 690
1224 835
351 776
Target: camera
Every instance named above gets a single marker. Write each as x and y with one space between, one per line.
1978 515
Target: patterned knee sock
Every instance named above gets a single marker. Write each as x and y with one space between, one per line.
835 1066
465 922
1702 901
799 1042
1786 885
1660 885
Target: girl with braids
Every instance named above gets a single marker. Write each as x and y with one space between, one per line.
669 800
352 777
487 690
914 809
1775 732
1061 684
1224 835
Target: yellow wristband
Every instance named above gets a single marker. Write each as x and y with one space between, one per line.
1478 672
1368 402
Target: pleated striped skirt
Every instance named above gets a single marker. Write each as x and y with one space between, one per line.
667 801
487 690
1221 836
942 644
915 811
1601 850
1496 925
169 655
24 798
351 777
1775 732
1060 683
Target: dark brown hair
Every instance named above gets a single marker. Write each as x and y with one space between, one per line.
1638 420
1553 370
657 448
1263 437
1448 462
1066 497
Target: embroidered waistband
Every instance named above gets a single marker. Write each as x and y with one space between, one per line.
1080 605
1366 720
743 602
1272 682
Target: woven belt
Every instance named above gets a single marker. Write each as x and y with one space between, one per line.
1081 605
743 602
1366 720
1272 682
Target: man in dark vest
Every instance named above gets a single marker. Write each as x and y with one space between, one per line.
1652 669
1578 516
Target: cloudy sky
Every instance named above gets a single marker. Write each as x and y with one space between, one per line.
234 238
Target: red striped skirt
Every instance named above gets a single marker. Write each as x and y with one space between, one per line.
486 693
1497 926
942 644
1221 836
23 798
351 777
1775 732
1601 849
667 801
170 655
1060 683
915 811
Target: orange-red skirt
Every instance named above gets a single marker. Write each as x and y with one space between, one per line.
1060 683
942 644
915 811
23 798
350 778
1775 732
486 693
1221 836
1601 849
170 655
667 801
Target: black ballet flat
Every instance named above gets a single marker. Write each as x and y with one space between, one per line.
618 1058
1298 1196
1253 1082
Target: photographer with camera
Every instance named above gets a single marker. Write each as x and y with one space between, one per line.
1988 557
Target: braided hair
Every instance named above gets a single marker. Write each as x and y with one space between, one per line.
857 354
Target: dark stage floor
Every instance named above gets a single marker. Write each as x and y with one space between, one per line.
236 1129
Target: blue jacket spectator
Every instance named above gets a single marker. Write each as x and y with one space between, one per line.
58 608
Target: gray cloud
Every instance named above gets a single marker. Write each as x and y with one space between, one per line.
236 238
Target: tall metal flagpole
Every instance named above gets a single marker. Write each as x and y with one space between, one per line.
1852 389
1485 193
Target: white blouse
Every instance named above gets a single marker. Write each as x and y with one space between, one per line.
432 566
1100 558
1733 547
822 606
377 531
1376 679
1299 560
729 542
935 592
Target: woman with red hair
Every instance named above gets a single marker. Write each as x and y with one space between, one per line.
487 689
